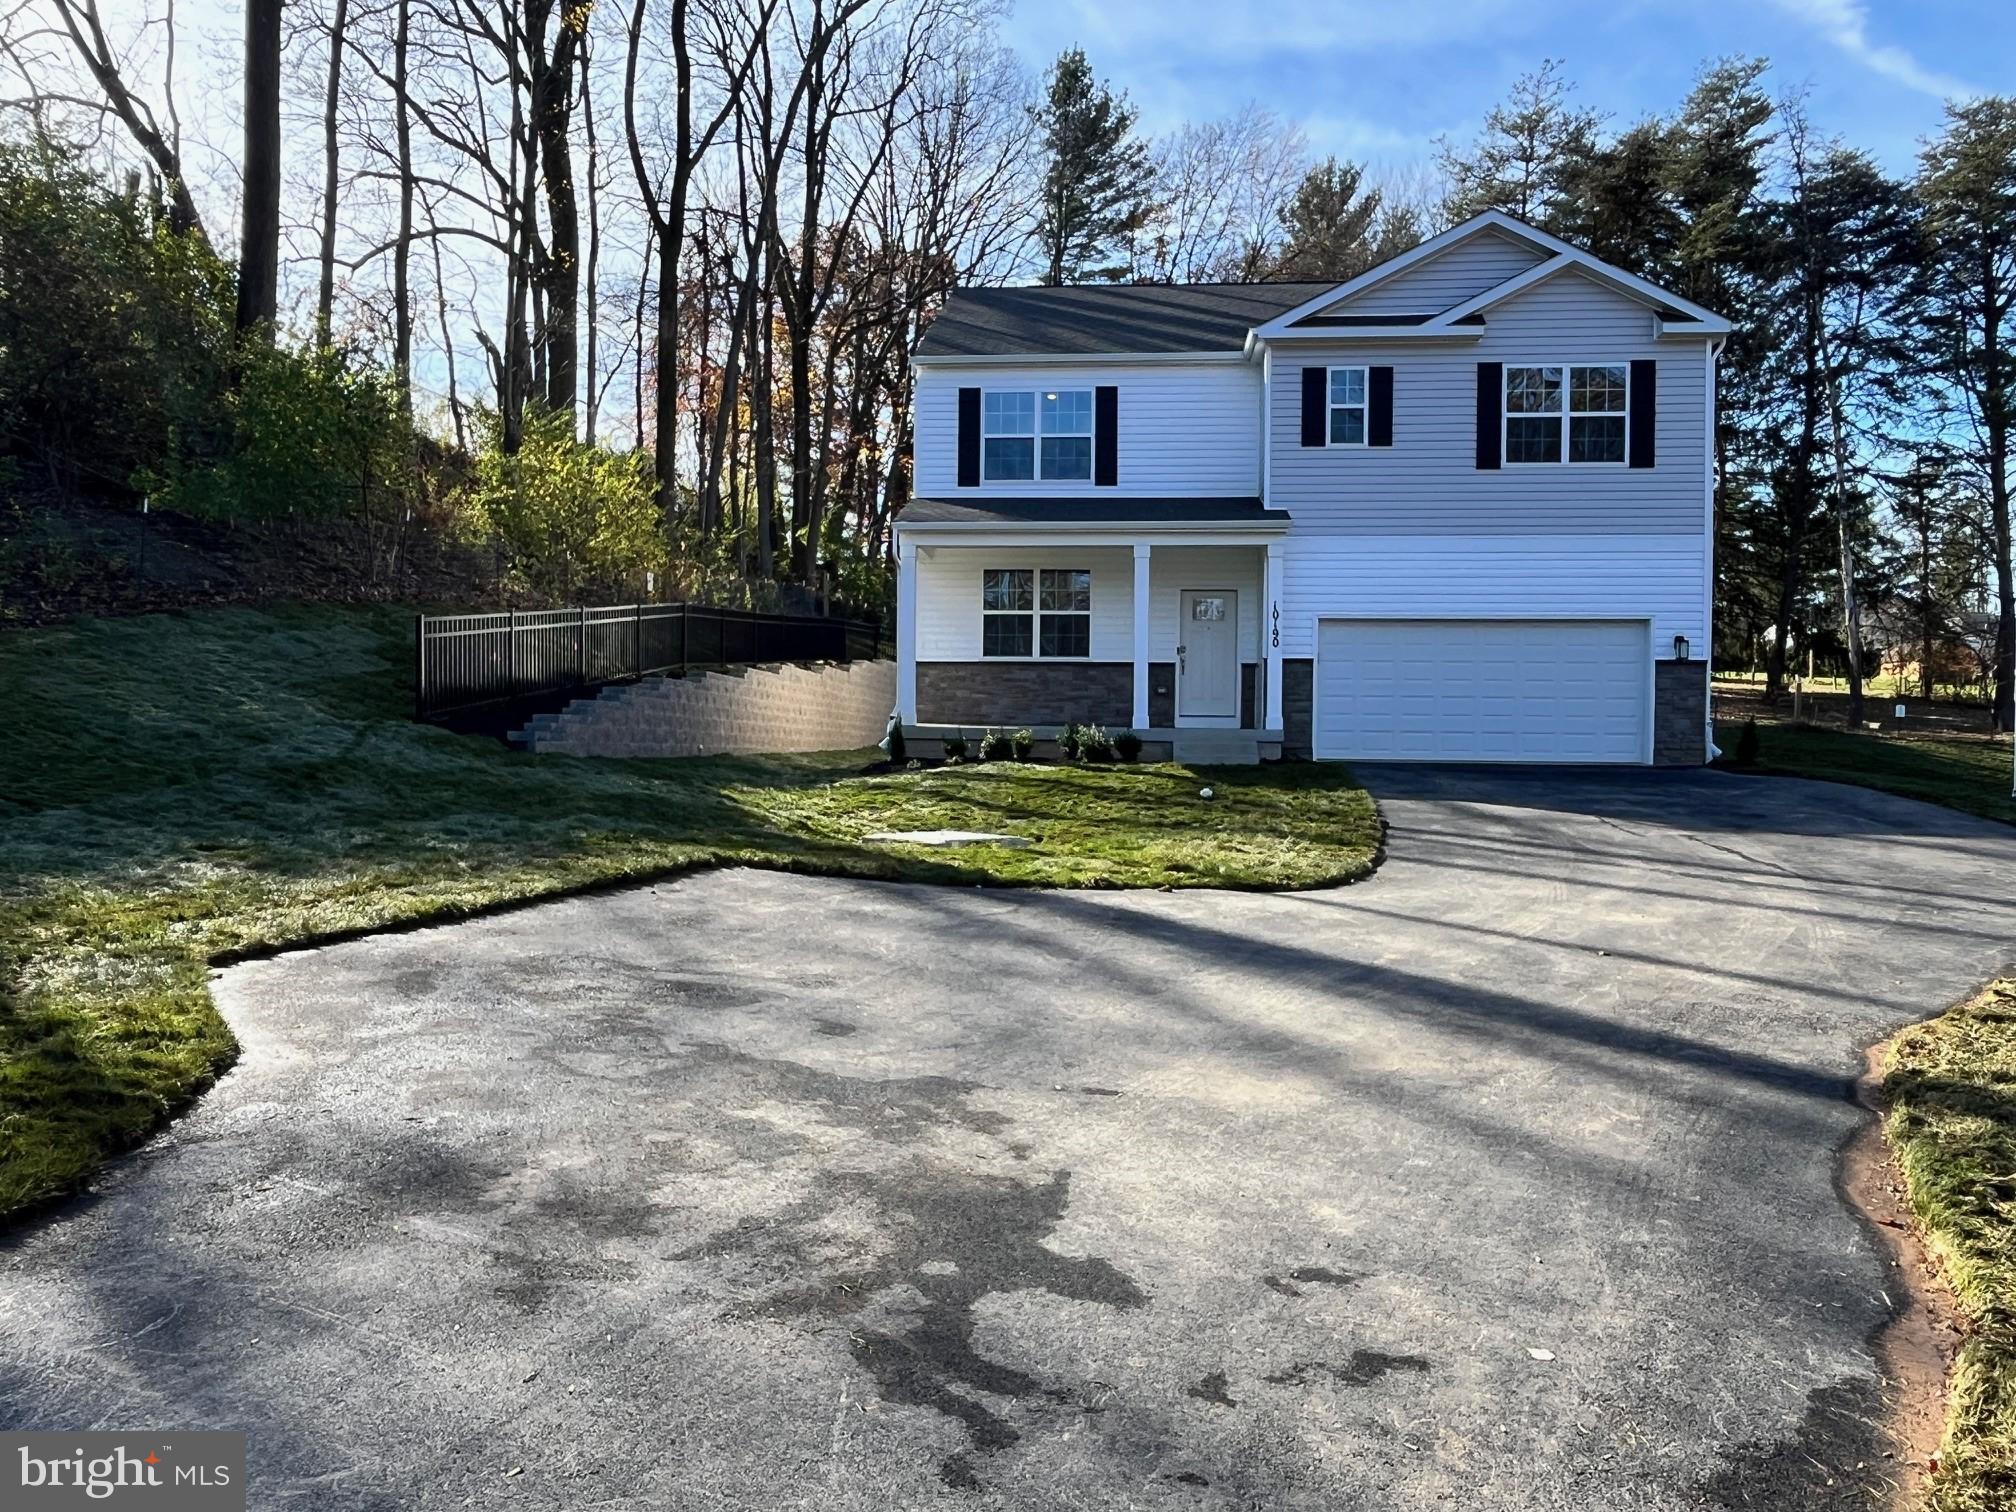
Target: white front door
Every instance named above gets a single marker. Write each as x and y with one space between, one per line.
1207 655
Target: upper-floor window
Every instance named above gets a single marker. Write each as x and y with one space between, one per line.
1574 413
1347 406
1027 435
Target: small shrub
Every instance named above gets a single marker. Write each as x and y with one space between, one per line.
1094 744
1127 746
993 746
1746 744
955 749
1068 738
898 751
1021 744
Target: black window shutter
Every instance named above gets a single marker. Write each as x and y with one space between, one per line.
1105 436
1490 411
1642 425
1315 403
1379 423
969 438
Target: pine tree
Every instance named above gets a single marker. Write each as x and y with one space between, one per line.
1099 178
1331 226
1967 185
1517 165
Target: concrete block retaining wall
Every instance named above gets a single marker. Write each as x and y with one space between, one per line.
744 711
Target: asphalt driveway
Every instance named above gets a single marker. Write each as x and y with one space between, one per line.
1504 1179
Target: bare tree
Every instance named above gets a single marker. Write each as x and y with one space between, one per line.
1221 188
86 31
325 297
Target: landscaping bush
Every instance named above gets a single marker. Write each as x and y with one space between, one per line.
1127 746
1067 740
1746 744
567 512
955 748
1021 744
897 750
993 746
1094 744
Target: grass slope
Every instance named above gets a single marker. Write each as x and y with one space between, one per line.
1962 772
1951 1089
180 788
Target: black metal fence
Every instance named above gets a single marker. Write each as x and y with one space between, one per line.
466 662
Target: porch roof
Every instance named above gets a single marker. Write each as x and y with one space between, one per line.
1083 512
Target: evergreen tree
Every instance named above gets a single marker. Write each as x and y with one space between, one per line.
1967 185
1840 246
1098 180
1519 163
1331 224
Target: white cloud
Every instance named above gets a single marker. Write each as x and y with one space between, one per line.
1845 23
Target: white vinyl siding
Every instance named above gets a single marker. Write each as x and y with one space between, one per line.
950 592
1662 578
950 589
1428 481
1186 430
1173 568
1482 690
1464 271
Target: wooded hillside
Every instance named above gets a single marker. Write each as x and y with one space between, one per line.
620 298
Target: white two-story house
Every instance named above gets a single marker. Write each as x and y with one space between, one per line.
1459 508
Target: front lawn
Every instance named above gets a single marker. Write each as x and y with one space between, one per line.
1965 772
1951 1092
182 788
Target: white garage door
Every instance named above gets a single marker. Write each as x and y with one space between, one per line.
1477 690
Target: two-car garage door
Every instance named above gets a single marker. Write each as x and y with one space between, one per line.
1482 690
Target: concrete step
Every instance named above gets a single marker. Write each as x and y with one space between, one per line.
1217 748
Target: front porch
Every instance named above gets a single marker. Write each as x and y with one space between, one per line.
1196 747
1161 629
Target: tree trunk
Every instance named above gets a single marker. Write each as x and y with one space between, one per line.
592 389
1851 611
559 271
1995 412
87 34
763 405
665 414
402 292
325 293
259 247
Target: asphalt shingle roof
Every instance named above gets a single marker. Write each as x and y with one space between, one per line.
1084 509
1108 318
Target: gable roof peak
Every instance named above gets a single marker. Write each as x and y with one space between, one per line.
1554 256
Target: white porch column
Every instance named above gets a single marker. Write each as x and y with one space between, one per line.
1141 606
906 630
1270 635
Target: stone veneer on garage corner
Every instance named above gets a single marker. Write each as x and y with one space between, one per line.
1680 713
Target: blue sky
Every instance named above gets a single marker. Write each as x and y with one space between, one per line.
1378 80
